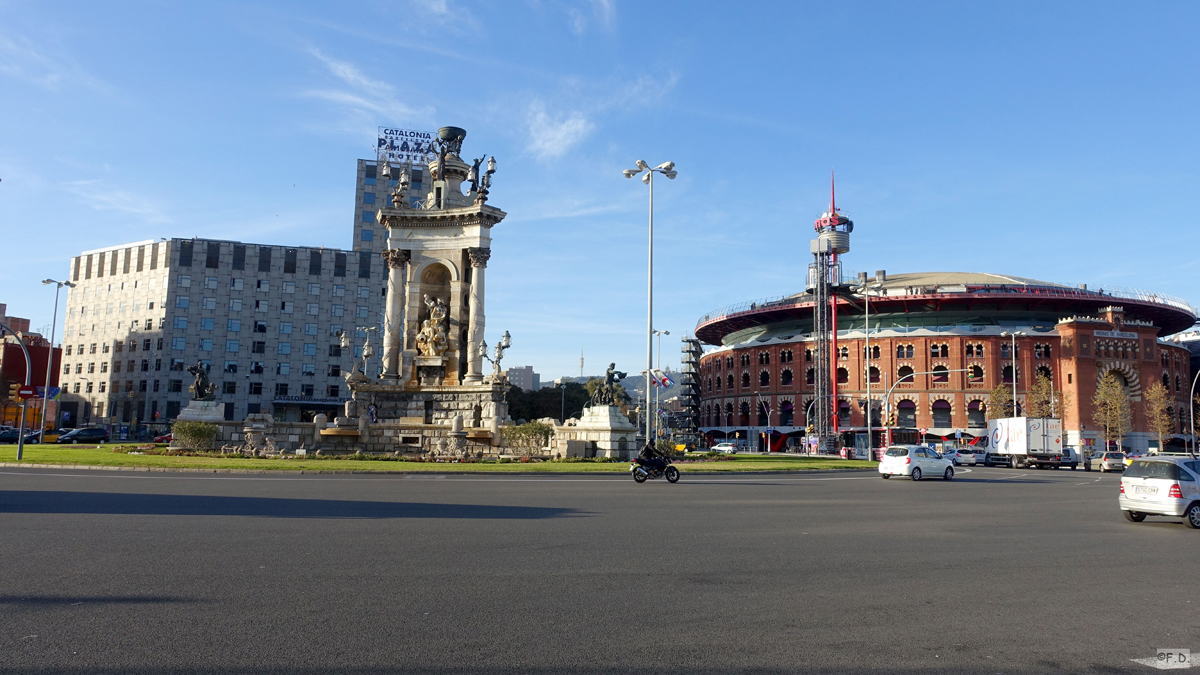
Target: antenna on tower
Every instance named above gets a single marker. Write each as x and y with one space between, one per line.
581 361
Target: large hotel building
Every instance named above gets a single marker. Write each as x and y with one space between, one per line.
262 319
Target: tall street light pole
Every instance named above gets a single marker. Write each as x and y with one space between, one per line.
866 291
667 169
50 353
1014 335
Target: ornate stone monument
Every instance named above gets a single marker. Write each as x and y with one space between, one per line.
433 329
603 430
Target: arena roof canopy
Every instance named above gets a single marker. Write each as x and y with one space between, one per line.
944 299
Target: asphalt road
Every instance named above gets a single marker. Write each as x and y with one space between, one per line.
996 571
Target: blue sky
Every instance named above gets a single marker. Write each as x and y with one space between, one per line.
1050 140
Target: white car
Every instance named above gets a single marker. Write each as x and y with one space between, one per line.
1166 486
914 461
727 448
960 457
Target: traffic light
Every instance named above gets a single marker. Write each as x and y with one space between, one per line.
14 394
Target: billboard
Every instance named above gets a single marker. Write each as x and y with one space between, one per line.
406 145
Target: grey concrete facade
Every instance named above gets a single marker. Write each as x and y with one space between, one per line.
260 317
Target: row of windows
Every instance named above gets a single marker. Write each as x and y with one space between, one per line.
285 307
264 286
212 259
942 350
107 261
176 387
940 374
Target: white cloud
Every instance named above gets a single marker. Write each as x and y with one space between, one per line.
100 197
365 98
603 13
21 59
551 137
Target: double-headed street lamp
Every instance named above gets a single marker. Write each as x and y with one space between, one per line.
50 352
657 396
667 169
866 291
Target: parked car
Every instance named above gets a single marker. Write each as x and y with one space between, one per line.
9 436
166 438
1130 456
1110 461
960 457
1161 486
85 435
727 448
914 461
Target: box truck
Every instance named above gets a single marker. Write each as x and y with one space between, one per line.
1034 442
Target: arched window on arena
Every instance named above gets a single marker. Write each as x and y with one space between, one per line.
873 375
979 351
1178 385
1162 356
745 380
875 351
843 376
905 371
809 376
717 363
728 361
908 351
1166 382
787 414
764 358
843 352
1006 375
728 414
844 412
745 359
764 414
710 383
969 349
729 381
785 378
941 374
708 415
976 415
975 374
899 351
1044 371
808 356
785 356
1005 350
906 414
744 414
764 379
941 414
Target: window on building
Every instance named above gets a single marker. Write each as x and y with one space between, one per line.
906 414
289 287
256 388
941 374
181 301
283 368
233 325
314 263
785 378
260 326
310 329
361 311
308 369
256 368
942 414
206 344
281 389
208 303
333 391
364 265
306 390
185 254
975 374
239 256
1006 375
810 376
231 367
285 348
231 346
903 373
289 261
873 375
285 328
235 305
843 376
258 347
745 380
764 379
287 307
729 381
310 349
334 370
364 292
178 343
314 289
229 387
337 310
368 235
174 386
368 216
339 264
335 350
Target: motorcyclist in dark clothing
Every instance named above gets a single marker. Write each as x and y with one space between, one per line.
650 458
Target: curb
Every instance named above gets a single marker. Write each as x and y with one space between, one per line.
431 472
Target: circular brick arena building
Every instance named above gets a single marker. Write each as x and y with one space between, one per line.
757 383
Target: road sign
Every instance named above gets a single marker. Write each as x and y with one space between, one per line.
958 434
923 430
26 392
770 430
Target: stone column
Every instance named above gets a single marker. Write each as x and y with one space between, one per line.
393 327
479 258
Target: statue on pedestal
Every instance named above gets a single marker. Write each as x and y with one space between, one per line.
431 340
202 388
606 394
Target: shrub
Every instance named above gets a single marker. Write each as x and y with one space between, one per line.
527 437
195 435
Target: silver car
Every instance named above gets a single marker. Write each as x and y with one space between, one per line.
960 457
1162 486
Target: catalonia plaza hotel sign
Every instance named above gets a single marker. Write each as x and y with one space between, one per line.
406 146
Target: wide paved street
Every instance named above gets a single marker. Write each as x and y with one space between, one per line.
998 571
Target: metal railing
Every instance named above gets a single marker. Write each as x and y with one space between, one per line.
1114 292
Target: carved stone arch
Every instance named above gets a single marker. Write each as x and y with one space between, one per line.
1128 371
905 397
785 399
948 398
971 398
419 270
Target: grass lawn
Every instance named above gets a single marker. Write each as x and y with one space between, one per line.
104 456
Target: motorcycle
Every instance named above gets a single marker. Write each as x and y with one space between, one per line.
642 473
